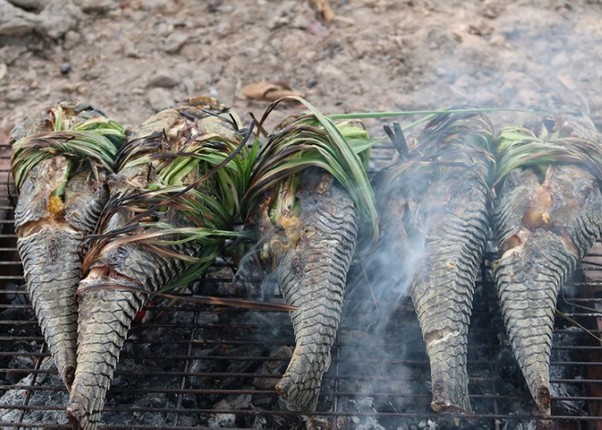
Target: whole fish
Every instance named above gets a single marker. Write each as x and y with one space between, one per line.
434 222
59 171
311 255
163 226
307 193
547 215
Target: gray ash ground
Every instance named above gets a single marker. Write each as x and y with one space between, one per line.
130 57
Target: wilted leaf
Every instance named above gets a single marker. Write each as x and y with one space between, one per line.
329 16
324 8
269 91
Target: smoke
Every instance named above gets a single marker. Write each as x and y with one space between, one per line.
433 226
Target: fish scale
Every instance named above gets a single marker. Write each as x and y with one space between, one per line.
100 339
50 288
95 368
60 158
434 205
124 268
328 233
51 263
537 260
442 292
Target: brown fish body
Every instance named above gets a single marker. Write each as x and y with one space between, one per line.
50 230
544 228
120 277
117 287
441 245
434 223
311 255
443 289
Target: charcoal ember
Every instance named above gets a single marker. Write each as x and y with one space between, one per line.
218 281
274 368
317 422
239 289
18 363
20 330
229 403
16 294
366 423
135 417
259 422
427 424
570 336
223 281
222 420
53 393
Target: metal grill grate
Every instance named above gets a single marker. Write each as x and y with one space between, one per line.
194 366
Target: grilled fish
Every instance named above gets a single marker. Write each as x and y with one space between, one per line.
546 218
434 211
59 203
310 254
307 192
126 265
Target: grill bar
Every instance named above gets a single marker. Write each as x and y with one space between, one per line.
199 366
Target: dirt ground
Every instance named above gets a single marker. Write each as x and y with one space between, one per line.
132 57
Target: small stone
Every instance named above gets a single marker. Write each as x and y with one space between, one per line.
67 88
3 70
36 5
57 18
15 21
14 96
174 42
72 38
159 98
93 74
157 5
10 53
163 79
65 69
129 49
97 6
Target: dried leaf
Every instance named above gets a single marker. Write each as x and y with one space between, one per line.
324 8
269 91
329 16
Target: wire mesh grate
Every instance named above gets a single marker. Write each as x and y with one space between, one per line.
191 366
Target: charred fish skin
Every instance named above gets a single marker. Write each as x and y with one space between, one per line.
49 233
105 316
443 288
312 276
121 277
105 319
544 227
52 266
435 216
